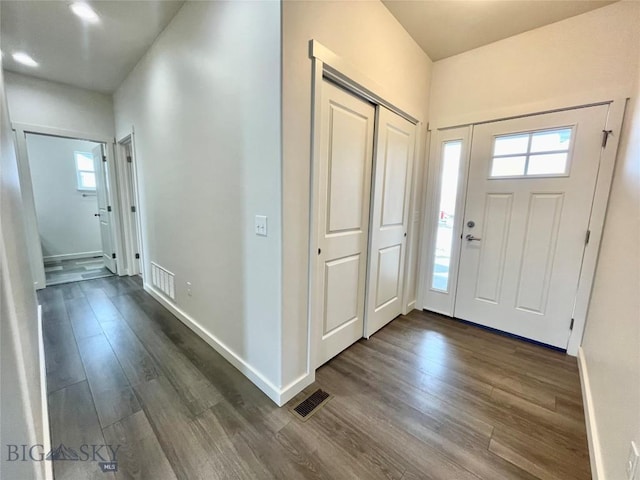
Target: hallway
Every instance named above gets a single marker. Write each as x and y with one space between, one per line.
426 397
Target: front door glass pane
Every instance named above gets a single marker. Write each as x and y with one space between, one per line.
451 153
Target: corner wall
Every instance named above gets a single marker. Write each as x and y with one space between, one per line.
205 104
21 387
367 36
611 343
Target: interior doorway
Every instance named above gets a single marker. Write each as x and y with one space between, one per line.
92 173
69 191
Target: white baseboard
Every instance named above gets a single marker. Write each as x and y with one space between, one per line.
295 387
46 435
279 395
72 256
595 453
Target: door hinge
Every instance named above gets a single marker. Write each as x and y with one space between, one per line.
137 255
133 209
129 158
104 158
587 237
113 255
319 251
109 208
571 325
605 137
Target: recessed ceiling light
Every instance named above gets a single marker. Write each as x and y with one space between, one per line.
84 11
24 59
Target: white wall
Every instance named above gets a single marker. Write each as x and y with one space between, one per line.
39 102
367 36
205 105
590 57
611 343
66 220
21 421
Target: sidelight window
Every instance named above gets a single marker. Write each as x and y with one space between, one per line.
451 157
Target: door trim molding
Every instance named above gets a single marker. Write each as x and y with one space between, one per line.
604 180
129 194
26 185
344 74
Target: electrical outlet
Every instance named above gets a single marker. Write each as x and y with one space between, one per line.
633 472
261 225
189 292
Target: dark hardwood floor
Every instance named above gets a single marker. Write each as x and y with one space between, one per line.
426 397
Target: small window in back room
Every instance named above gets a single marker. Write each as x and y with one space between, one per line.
85 171
541 153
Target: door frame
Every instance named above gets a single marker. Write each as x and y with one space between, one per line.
327 65
129 193
31 221
600 201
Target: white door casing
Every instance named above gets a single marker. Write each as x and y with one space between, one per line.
104 210
395 145
344 185
521 275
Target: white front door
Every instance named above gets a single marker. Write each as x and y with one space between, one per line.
529 198
344 185
104 210
395 142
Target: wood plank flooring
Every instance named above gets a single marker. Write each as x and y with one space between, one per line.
74 270
425 398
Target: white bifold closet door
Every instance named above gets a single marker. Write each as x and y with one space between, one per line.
395 143
362 215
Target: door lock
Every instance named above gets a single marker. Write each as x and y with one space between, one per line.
471 224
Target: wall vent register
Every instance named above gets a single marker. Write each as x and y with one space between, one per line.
163 280
543 153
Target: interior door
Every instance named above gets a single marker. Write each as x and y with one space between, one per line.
395 143
344 185
530 191
104 210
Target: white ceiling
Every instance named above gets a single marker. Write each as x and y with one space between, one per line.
99 56
444 28
92 56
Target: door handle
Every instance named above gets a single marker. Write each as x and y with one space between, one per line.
471 238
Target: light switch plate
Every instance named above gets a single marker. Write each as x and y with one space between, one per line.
261 225
633 472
